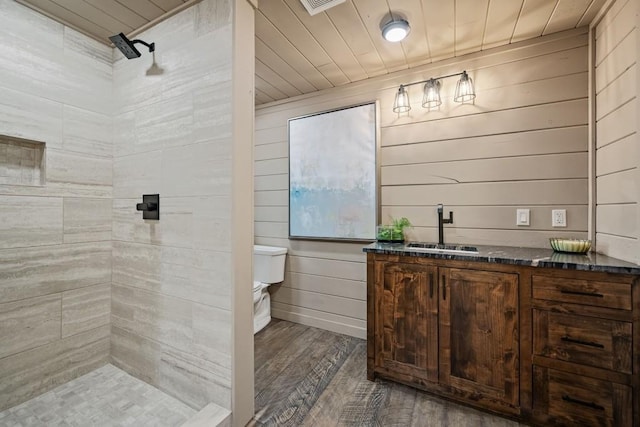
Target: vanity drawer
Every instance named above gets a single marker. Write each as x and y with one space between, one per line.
602 343
579 291
561 398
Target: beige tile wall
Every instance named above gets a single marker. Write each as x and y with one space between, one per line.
617 139
522 144
171 309
83 279
55 233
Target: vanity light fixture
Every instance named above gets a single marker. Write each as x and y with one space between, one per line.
401 104
396 30
465 92
431 96
464 89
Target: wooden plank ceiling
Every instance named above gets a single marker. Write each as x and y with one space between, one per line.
297 53
103 18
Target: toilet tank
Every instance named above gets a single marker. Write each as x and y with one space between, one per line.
268 264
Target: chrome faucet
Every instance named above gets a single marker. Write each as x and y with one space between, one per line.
441 222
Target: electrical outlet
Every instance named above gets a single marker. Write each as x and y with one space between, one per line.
559 218
522 216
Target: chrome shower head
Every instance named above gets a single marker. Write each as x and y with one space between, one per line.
127 47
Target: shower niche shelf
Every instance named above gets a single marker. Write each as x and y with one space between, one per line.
21 162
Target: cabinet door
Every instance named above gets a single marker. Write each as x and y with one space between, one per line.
406 320
479 334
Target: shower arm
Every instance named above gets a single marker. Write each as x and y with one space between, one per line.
151 46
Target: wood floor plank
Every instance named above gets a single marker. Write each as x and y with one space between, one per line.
398 407
307 391
340 403
274 339
273 371
311 377
361 408
299 375
429 408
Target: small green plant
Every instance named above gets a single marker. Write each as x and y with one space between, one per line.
393 232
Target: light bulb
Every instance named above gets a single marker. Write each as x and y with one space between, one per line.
396 31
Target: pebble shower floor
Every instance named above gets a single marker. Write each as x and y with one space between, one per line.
105 397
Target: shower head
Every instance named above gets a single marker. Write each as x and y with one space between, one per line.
127 47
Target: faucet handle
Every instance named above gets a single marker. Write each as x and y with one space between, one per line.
448 220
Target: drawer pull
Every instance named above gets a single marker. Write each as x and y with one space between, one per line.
584 294
575 341
591 405
444 287
430 285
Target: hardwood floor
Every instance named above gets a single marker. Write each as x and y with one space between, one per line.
310 377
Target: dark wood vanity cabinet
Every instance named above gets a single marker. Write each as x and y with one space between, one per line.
544 345
450 329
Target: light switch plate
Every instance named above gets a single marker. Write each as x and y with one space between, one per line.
559 218
522 216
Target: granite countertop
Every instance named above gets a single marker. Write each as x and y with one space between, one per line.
534 257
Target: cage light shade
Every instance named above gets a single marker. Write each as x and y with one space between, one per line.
401 104
464 89
395 31
431 95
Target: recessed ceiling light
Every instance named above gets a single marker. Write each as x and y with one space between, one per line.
396 30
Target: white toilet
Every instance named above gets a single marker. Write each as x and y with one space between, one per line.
268 268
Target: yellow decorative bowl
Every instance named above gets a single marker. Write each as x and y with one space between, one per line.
575 246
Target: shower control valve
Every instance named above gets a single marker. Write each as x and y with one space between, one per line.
150 206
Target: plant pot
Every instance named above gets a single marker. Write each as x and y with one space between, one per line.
389 234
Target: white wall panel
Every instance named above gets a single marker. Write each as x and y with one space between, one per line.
617 210
522 144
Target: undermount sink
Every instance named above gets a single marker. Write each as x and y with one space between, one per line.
443 249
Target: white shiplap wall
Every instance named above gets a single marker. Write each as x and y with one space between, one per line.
522 144
617 173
